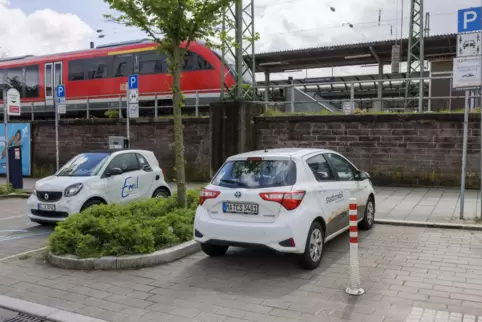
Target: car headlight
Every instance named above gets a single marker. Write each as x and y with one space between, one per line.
73 189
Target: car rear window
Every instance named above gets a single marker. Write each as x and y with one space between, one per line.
256 174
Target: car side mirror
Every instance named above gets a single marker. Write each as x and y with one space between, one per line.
114 172
362 175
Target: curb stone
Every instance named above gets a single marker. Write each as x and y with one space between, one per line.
14 196
428 224
42 311
125 262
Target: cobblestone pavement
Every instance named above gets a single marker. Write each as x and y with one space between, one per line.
409 274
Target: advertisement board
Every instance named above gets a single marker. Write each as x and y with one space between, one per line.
18 135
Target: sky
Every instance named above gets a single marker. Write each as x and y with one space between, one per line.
47 26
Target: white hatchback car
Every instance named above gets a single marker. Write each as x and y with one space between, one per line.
117 176
289 200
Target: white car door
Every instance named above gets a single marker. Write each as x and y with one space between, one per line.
146 177
346 174
331 193
125 187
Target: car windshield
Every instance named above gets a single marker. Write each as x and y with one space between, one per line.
84 165
256 174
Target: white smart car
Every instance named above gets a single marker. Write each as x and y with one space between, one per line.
117 176
289 200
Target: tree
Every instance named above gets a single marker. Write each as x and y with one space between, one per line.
173 24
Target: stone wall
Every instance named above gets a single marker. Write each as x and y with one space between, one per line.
76 136
424 149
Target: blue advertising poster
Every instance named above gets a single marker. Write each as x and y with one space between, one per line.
18 135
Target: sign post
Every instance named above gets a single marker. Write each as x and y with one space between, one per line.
467 75
132 102
59 107
11 106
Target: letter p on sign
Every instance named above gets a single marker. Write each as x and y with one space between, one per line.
469 20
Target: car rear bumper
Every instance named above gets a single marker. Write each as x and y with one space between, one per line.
245 234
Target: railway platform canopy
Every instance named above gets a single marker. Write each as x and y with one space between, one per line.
377 52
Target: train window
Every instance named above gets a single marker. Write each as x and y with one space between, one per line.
48 80
123 65
97 68
152 63
193 61
32 80
76 70
15 78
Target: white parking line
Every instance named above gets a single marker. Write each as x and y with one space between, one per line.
12 217
20 254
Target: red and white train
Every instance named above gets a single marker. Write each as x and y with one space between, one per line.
98 77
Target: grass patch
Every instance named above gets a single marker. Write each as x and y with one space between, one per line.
136 228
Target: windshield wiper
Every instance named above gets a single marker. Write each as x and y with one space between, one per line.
232 182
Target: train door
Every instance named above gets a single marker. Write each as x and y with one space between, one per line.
53 77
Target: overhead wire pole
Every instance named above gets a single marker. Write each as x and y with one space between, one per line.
239 19
415 56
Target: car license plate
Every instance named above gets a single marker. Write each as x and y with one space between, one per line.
46 207
240 208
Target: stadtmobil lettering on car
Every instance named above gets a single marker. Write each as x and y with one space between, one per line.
289 200
117 176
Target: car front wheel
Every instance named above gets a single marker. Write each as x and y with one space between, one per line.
315 244
369 218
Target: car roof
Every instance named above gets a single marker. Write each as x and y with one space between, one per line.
280 152
118 151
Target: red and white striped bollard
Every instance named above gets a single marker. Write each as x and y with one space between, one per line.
355 288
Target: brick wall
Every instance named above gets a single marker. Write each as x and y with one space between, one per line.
421 149
76 136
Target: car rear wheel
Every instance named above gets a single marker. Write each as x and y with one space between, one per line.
160 193
315 245
214 250
369 218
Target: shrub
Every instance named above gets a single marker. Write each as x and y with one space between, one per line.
6 189
136 228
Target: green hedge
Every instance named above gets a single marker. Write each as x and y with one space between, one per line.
136 228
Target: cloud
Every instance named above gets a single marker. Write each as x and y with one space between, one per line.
42 32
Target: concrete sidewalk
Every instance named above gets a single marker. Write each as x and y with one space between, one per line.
441 205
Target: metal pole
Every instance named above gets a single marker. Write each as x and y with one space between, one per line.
33 117
464 154
421 88
239 49
56 132
5 124
223 54
197 103
352 97
127 115
292 97
87 105
480 106
155 106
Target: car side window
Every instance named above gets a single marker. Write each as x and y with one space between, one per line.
143 164
342 167
320 168
127 162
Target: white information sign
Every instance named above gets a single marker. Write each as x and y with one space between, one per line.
13 102
133 96
468 44
134 111
348 107
467 72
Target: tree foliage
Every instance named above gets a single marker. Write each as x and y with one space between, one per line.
174 24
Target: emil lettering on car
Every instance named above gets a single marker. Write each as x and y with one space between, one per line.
131 185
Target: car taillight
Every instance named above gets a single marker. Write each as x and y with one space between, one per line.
207 194
289 200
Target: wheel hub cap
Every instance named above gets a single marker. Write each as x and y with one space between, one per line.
316 245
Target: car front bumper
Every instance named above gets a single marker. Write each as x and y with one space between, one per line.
63 209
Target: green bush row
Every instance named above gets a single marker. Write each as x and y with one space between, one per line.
136 228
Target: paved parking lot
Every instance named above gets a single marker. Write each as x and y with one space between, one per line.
408 273
17 233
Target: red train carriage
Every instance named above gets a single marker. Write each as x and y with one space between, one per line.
97 77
